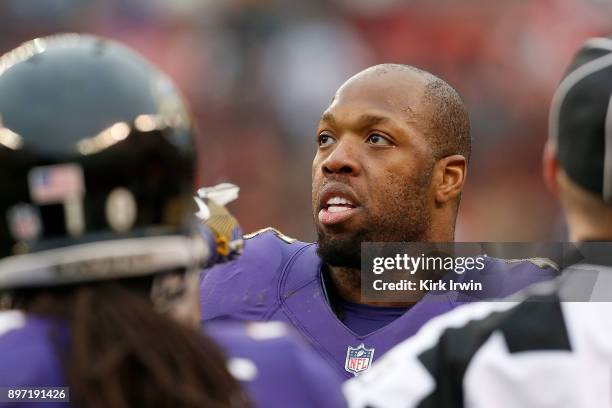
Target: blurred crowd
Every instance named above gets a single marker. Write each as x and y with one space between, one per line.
258 73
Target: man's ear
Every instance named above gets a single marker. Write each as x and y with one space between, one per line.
450 175
550 167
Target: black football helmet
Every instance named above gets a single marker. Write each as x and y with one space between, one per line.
96 165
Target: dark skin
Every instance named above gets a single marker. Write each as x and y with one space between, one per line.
375 154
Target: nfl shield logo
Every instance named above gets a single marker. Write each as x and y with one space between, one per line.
358 359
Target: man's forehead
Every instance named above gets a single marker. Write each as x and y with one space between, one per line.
390 93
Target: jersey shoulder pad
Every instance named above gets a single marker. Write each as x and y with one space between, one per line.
504 277
245 288
279 235
514 266
542 263
268 246
263 248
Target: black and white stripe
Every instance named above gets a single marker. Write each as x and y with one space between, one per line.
541 352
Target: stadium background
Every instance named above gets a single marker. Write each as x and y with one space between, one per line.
258 73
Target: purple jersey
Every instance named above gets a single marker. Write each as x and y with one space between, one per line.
276 367
280 279
29 349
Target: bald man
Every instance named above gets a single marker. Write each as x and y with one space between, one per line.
393 148
552 349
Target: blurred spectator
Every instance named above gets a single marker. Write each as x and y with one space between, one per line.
259 72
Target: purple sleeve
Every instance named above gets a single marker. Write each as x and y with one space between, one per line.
29 354
285 372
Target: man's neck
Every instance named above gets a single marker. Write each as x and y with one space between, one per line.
347 285
346 282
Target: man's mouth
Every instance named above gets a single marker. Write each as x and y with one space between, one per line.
336 209
338 204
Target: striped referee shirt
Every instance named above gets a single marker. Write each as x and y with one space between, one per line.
552 349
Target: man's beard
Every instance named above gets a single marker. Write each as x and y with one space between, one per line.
408 220
344 251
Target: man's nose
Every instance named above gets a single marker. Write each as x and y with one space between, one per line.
343 159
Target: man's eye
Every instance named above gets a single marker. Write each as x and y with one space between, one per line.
326 140
379 140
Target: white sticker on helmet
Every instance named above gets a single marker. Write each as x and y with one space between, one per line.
24 222
121 209
56 184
